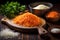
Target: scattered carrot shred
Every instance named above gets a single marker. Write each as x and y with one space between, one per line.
27 19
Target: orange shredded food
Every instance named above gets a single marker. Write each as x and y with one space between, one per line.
27 19
52 14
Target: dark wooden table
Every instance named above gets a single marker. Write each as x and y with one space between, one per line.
34 36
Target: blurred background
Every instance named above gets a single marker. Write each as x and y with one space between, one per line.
31 1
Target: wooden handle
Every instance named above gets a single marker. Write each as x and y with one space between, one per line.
4 20
41 30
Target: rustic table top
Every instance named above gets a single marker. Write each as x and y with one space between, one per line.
24 36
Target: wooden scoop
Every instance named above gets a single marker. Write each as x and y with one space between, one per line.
41 30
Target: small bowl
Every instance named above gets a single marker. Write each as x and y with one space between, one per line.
55 34
39 12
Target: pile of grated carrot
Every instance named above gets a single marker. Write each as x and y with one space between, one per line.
27 20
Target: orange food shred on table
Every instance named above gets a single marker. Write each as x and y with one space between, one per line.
27 20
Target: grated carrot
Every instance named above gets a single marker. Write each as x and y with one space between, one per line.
27 19
52 14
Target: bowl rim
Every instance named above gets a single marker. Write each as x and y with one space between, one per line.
51 5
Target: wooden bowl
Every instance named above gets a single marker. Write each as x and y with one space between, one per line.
55 34
37 11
